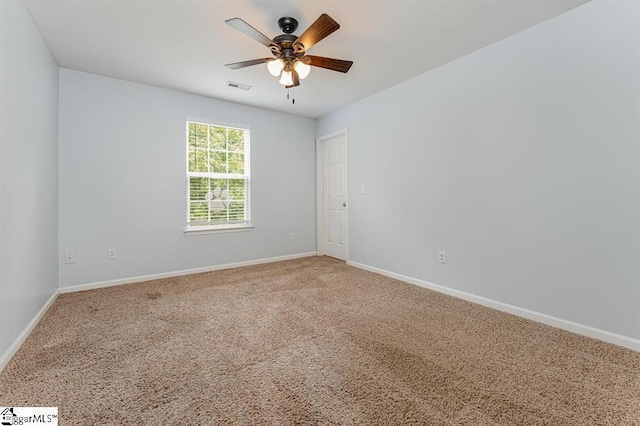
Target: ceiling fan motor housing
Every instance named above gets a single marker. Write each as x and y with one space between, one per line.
287 51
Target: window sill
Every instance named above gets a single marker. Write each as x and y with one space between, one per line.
218 230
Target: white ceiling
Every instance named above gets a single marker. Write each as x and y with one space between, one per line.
184 44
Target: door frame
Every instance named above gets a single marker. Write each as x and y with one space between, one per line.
320 246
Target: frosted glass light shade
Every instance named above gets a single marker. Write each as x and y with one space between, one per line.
286 79
302 69
275 67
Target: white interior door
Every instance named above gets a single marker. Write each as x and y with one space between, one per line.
334 157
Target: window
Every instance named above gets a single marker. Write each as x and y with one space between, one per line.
218 177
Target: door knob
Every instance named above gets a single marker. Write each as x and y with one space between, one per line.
344 204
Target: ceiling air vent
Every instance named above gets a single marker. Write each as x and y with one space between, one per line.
238 85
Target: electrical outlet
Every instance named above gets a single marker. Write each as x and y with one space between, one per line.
442 257
293 236
69 257
112 253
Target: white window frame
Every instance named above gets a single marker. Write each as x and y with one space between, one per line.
225 227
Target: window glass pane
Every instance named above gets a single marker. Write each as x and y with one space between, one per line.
237 189
218 217
201 136
236 140
217 197
236 211
199 212
198 188
218 162
200 163
236 162
192 159
192 135
218 191
218 137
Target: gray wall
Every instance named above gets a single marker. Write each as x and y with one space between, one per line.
520 161
123 184
28 171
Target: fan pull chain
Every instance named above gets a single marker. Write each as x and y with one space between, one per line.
293 97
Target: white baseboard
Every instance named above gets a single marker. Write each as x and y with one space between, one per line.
142 278
9 353
573 327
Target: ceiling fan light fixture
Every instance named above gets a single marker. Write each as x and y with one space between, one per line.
286 79
275 67
302 69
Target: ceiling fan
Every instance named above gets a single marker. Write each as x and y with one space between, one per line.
291 62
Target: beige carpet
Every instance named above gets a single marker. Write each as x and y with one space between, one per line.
311 341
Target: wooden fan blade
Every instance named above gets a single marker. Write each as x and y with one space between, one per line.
237 65
322 27
247 29
329 63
